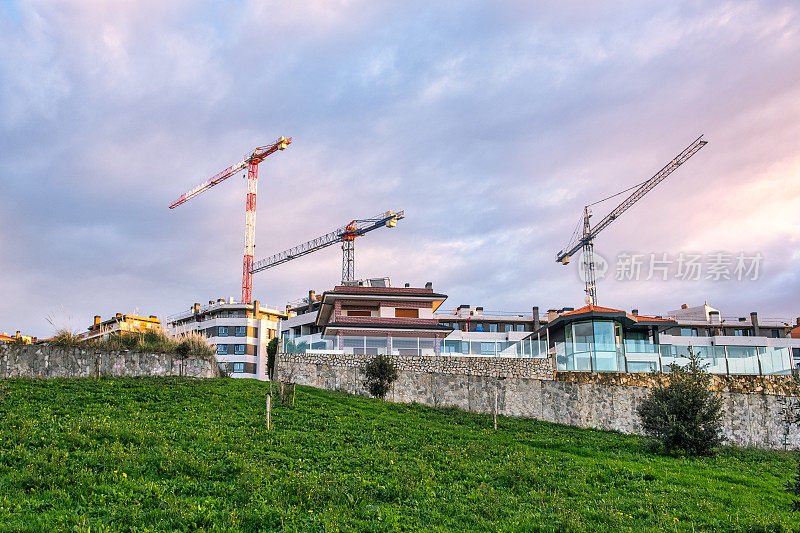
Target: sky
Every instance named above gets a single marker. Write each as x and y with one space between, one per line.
492 124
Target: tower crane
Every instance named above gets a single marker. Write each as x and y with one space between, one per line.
250 162
346 235
586 241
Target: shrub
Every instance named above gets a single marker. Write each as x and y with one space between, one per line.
65 338
684 415
272 350
379 373
195 345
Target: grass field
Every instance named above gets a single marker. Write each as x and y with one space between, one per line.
177 454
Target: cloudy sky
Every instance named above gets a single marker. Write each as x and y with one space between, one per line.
490 123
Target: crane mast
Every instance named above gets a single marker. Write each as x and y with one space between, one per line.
586 242
345 235
250 162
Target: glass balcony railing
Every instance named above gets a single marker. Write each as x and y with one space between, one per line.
345 344
631 356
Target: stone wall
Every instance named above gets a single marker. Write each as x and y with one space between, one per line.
530 388
43 361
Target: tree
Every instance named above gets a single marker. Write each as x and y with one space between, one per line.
272 350
379 374
684 415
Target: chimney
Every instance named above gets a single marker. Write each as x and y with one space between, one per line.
256 310
195 308
536 323
18 334
118 315
407 285
429 285
754 320
96 320
797 321
479 310
713 316
552 314
635 312
311 298
153 316
684 306
210 302
221 301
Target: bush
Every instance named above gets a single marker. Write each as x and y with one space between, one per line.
66 339
379 373
684 415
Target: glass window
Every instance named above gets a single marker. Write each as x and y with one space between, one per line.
487 348
478 327
238 349
241 331
238 367
493 328
741 332
222 349
605 352
223 331
688 332
520 327
508 327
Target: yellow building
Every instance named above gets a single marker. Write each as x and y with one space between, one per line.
18 337
122 324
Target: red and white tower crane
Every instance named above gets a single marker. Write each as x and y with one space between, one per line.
250 162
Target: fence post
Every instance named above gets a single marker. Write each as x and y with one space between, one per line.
269 410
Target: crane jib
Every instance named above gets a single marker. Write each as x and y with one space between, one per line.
635 196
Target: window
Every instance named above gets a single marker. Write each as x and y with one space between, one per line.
741 332
493 328
358 313
775 334
406 313
520 327
223 331
222 349
238 349
509 327
238 367
688 332
457 326
241 331
478 327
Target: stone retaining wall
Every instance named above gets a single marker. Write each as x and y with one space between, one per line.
44 361
529 388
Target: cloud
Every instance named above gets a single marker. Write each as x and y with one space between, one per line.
492 125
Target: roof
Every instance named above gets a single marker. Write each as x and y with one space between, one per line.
590 311
343 291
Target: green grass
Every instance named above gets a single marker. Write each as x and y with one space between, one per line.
179 454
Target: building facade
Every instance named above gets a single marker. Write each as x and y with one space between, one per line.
239 333
121 324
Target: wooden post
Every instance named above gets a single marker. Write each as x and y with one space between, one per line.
269 411
283 392
294 391
495 406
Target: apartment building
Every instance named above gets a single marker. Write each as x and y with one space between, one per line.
239 333
603 339
121 324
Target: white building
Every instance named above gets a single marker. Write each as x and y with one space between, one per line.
239 332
